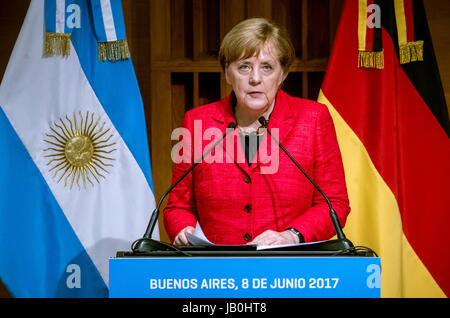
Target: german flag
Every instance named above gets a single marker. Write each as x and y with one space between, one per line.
383 89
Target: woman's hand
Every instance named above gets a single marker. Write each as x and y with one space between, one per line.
181 238
270 237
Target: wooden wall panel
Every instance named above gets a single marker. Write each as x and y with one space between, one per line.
161 100
259 9
318 29
137 25
206 29
11 18
180 34
288 13
231 13
438 16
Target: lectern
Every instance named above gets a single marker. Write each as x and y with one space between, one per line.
244 272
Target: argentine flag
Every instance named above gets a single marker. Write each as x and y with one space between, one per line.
75 175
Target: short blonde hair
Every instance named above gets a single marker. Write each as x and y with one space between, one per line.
247 38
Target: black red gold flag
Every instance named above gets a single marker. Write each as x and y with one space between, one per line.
393 128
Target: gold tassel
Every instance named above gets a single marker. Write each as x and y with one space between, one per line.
369 59
113 51
411 52
57 44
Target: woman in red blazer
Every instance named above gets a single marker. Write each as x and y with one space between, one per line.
250 192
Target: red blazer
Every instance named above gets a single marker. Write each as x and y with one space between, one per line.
234 202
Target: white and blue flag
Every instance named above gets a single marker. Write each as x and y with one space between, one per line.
75 174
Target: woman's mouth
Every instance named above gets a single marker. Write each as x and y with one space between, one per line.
256 94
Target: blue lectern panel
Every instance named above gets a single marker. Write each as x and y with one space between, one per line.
245 277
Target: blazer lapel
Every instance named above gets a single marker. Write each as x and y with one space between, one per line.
281 122
233 147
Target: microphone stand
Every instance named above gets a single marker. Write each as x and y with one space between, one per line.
341 243
146 244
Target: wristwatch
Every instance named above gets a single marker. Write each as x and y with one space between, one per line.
301 239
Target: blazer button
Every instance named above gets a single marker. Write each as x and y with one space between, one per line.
247 237
247 179
248 208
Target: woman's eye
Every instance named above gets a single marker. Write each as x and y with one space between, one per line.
267 67
244 67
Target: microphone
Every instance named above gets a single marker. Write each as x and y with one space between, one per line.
146 244
342 243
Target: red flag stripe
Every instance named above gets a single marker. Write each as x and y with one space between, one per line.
409 20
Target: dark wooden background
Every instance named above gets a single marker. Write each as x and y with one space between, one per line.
174 45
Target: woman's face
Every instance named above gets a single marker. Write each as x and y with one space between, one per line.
256 80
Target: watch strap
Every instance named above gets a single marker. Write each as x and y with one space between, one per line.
301 239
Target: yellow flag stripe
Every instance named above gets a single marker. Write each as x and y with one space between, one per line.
375 219
362 24
400 19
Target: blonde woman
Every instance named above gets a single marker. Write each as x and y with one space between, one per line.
232 200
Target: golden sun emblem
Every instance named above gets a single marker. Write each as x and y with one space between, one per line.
79 150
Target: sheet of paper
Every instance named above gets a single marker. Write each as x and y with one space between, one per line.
266 247
199 238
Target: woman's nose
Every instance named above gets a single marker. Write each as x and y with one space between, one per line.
255 77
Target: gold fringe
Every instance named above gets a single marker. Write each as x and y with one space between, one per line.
369 59
411 52
57 44
113 51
